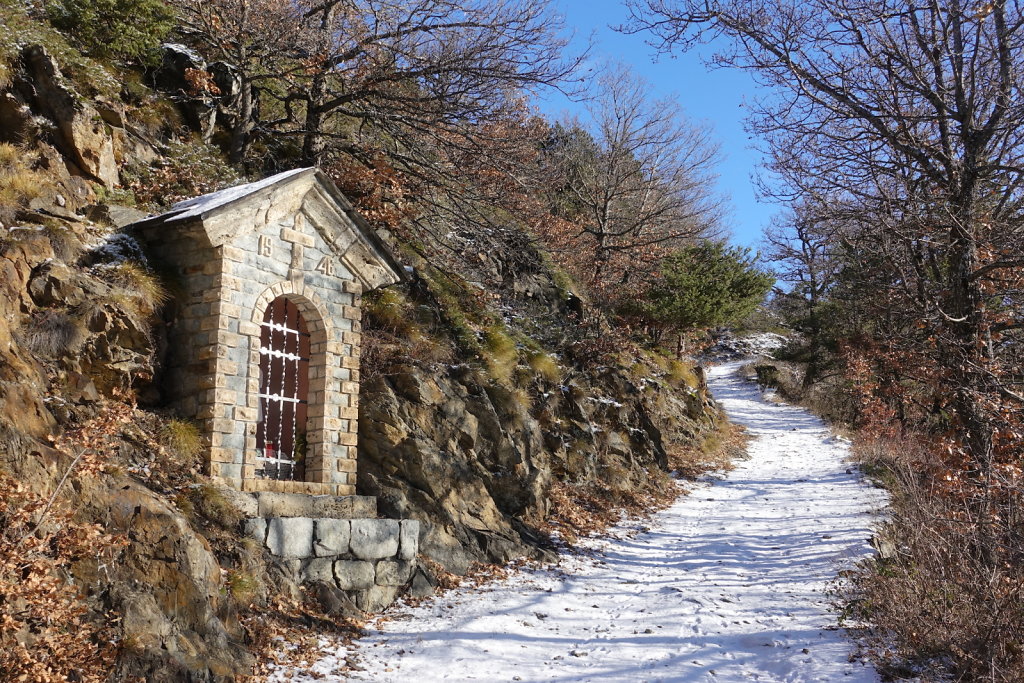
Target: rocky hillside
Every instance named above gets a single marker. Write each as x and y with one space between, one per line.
495 404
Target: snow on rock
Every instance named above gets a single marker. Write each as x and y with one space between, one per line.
728 584
762 344
117 248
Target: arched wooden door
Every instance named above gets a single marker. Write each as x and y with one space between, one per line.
284 390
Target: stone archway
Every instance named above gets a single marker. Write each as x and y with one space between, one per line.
281 424
288 360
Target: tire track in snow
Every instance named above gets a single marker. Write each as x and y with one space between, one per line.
727 584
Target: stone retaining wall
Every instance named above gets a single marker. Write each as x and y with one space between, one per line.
369 559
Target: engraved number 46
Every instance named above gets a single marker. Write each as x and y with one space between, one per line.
326 266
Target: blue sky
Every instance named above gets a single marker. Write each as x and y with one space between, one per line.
714 96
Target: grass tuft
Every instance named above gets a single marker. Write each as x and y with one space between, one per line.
243 587
53 334
142 293
387 310
545 366
681 374
212 504
182 438
19 183
500 354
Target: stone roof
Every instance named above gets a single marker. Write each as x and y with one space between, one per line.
221 217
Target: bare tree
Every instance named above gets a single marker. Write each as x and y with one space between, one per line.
391 72
259 42
906 115
405 68
804 248
640 178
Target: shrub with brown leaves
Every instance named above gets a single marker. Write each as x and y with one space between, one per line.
946 594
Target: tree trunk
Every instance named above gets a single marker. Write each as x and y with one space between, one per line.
313 142
241 132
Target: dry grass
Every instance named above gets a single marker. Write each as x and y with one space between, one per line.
500 354
140 291
182 438
682 374
381 351
678 373
10 155
545 366
388 310
946 595
393 336
66 245
716 453
244 587
212 505
19 182
52 334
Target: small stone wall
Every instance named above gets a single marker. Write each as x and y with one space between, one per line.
334 540
369 559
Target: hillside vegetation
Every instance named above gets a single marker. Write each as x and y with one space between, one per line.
510 397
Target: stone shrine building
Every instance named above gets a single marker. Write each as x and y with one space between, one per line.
264 342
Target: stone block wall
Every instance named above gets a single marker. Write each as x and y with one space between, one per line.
289 261
369 559
213 363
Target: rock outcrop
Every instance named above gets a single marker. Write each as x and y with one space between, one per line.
474 465
85 136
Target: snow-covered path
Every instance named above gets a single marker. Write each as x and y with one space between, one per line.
725 585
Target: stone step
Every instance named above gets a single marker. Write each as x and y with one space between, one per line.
302 505
269 504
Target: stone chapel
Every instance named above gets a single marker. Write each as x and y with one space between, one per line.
264 342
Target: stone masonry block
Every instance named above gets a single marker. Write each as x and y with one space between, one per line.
352 575
249 329
374 539
255 527
410 539
290 537
391 573
318 569
331 537
243 502
246 414
289 235
345 507
312 502
376 598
